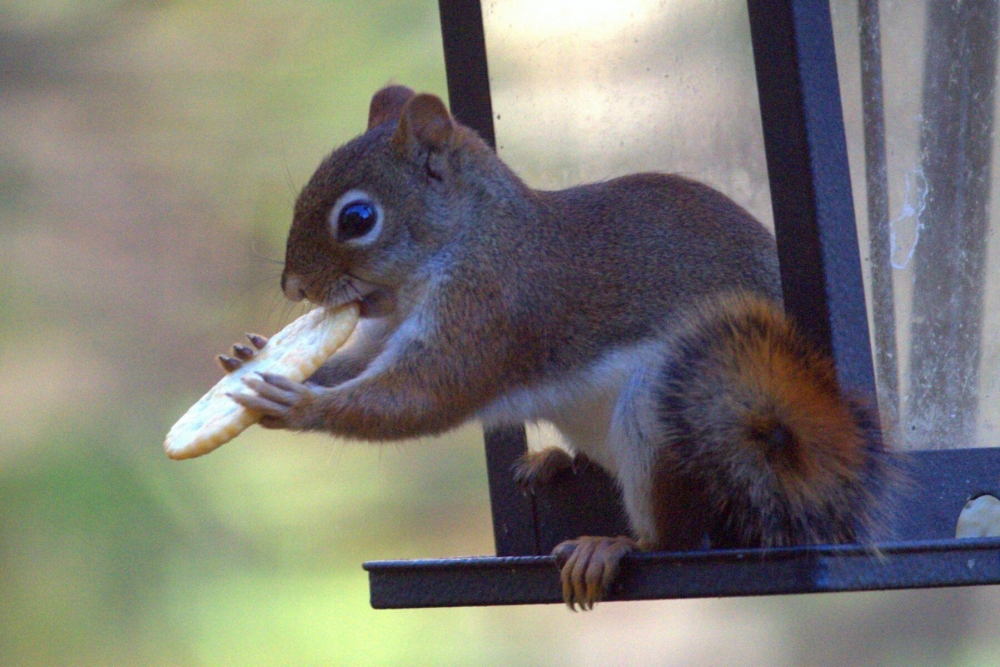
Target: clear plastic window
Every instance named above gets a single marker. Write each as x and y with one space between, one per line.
587 90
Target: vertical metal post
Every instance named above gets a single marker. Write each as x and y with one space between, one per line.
810 181
950 259
469 97
466 66
879 241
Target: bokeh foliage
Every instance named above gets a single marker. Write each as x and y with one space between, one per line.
150 151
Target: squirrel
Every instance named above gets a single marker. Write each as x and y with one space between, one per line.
640 315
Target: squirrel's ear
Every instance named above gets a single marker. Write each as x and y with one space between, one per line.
424 123
387 104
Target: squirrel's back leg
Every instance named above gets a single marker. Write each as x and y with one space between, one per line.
589 564
741 437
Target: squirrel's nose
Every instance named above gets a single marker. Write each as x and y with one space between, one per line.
291 285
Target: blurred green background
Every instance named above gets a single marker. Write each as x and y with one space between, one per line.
150 152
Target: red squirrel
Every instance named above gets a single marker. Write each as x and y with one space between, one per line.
641 316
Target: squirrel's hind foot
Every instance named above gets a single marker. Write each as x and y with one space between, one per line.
535 469
588 565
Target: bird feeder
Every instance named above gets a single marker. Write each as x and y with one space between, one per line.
821 270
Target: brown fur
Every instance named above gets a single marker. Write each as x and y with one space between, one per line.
387 104
519 285
489 293
759 436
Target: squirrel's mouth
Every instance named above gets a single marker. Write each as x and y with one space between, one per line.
374 301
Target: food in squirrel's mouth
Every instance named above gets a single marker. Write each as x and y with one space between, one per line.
296 352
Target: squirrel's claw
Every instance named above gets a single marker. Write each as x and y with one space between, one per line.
257 340
588 566
229 364
243 353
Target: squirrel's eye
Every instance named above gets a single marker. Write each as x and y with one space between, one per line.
356 220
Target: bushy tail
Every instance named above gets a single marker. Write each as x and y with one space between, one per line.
760 437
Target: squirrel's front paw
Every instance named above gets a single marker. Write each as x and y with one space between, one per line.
242 353
588 565
281 402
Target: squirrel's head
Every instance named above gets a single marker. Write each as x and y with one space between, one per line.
383 205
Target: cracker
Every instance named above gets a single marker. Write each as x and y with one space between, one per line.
296 352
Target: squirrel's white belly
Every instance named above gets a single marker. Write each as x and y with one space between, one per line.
583 404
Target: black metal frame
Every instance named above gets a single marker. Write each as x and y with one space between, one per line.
724 573
821 273
925 555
